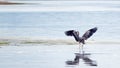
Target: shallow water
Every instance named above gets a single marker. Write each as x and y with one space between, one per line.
55 56
54 24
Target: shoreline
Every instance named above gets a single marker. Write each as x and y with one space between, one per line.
10 3
58 6
48 41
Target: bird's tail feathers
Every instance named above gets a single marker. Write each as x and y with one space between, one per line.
82 40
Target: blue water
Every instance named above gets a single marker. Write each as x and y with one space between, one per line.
53 24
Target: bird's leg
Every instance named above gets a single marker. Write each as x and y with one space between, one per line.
79 47
82 49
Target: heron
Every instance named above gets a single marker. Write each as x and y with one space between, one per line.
86 35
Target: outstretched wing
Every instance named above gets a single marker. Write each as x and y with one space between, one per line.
69 32
89 33
73 33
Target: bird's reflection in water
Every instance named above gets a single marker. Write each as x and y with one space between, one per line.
85 57
74 62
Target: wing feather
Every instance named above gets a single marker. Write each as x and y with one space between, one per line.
73 33
89 33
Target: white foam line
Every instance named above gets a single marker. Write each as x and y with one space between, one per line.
57 2
58 8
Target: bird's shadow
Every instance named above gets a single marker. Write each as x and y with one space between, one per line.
85 57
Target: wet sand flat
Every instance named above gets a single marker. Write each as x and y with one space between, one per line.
55 56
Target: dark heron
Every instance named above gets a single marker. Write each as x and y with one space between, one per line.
85 36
